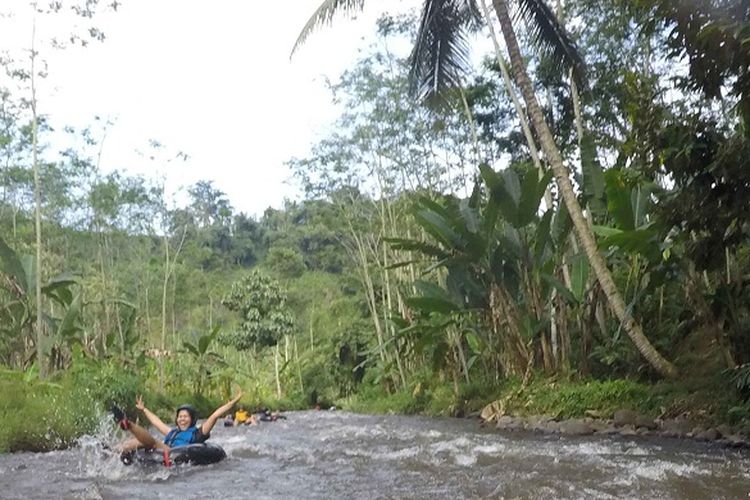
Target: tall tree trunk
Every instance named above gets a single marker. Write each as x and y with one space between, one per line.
562 177
168 270
163 342
41 341
299 367
312 330
276 370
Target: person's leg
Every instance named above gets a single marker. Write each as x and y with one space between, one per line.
129 444
141 437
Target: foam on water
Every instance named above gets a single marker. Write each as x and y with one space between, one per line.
431 434
658 470
491 449
98 456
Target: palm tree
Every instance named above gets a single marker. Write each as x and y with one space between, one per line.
439 58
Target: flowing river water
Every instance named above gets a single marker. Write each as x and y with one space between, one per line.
342 455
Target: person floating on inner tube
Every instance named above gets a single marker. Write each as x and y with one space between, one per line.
184 433
241 416
229 420
267 415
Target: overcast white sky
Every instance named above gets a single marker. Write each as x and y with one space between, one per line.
211 78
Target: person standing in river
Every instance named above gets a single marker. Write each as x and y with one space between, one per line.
185 431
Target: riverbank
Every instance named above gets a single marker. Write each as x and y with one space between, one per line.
42 416
625 423
704 408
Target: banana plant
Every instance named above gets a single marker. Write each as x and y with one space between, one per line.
203 358
483 245
629 205
17 316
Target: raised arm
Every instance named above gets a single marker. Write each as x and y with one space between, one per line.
220 411
151 416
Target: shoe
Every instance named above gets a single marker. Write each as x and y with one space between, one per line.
127 457
120 417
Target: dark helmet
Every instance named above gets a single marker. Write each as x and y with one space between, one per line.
191 411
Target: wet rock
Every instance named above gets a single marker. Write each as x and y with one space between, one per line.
724 429
576 428
641 421
598 425
710 434
677 427
537 423
680 427
625 417
735 441
552 426
506 422
627 430
608 430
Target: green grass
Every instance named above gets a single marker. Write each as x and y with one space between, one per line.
39 416
705 399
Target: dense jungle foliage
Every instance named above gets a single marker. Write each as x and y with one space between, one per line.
432 265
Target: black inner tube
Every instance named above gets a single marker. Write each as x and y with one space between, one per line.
194 454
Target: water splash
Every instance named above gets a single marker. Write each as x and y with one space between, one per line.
98 455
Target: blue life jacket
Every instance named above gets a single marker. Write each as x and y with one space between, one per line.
191 435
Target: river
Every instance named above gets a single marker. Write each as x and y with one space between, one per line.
333 454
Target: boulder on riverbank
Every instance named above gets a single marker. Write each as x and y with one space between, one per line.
624 423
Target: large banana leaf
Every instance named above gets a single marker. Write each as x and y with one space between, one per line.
532 192
491 210
593 176
642 241
465 287
59 289
417 246
504 262
190 348
450 226
564 291
619 203
70 324
429 289
205 340
14 316
641 199
543 237
438 227
501 195
579 275
561 225
10 265
470 216
432 305
507 195
517 198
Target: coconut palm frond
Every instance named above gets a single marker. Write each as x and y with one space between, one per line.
550 37
441 51
323 15
473 13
